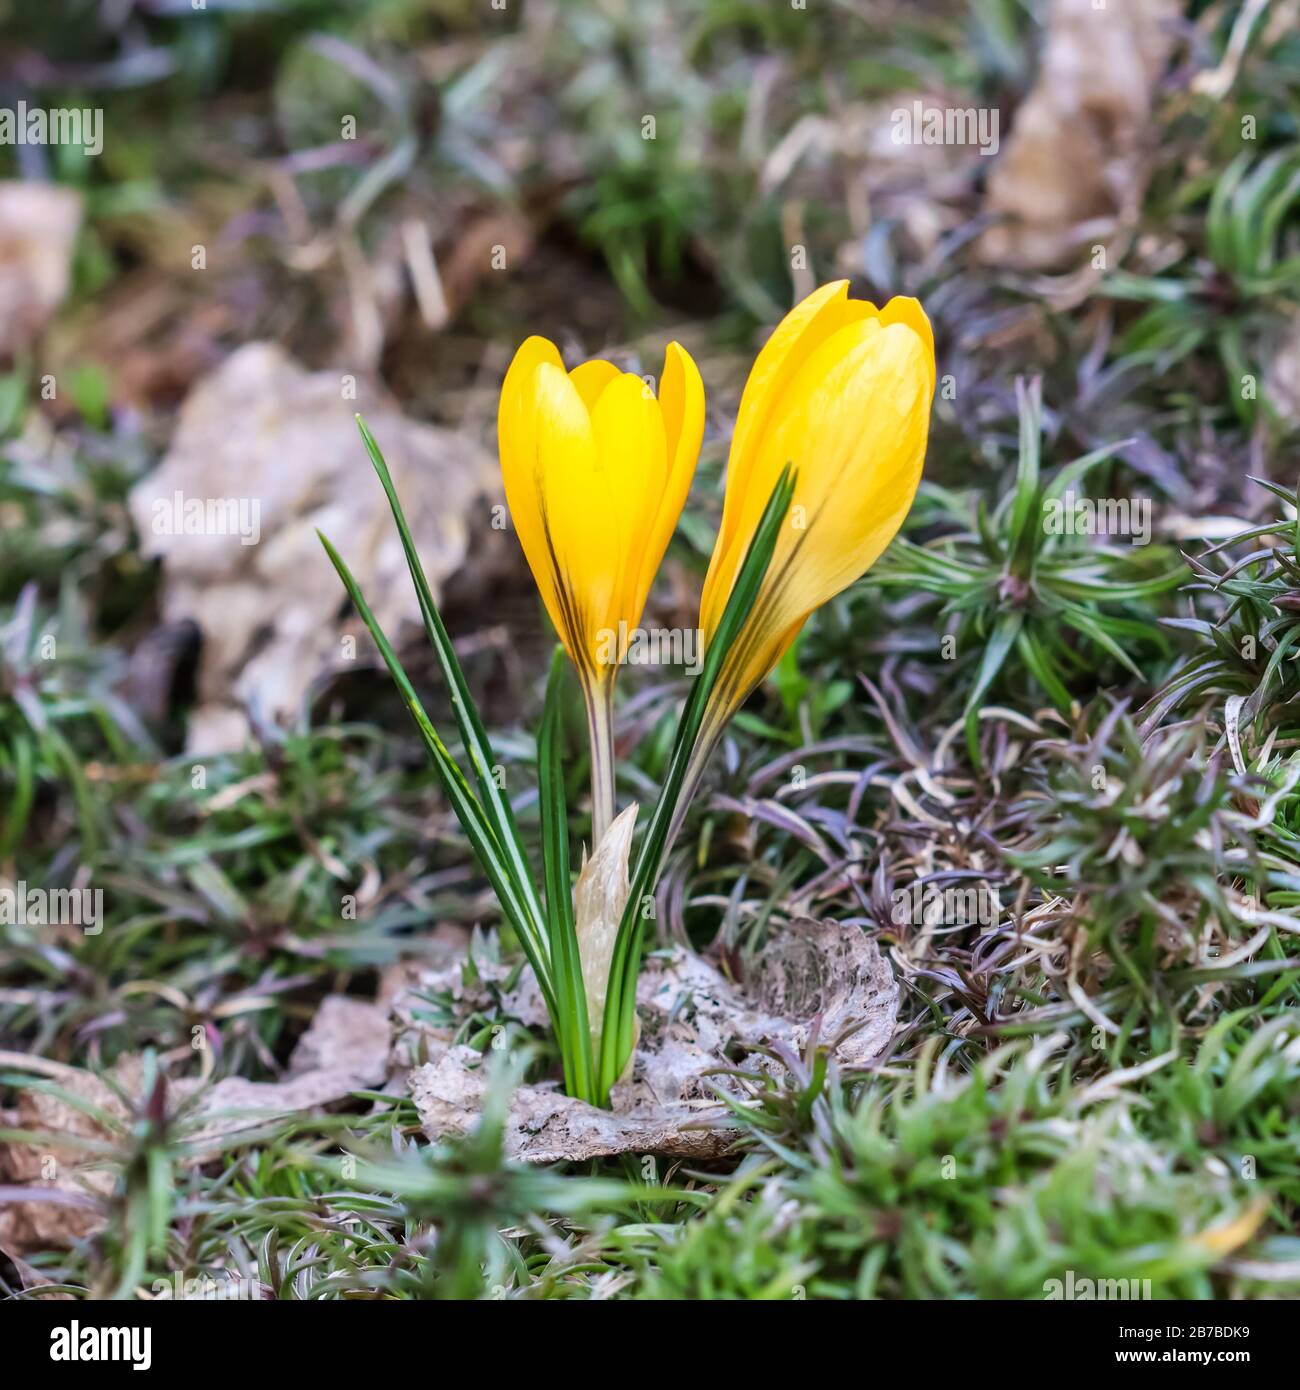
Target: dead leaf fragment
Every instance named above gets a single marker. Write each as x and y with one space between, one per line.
546 1126
1075 165
71 1183
838 978
265 453
344 1050
694 1023
18 1275
347 1035
38 230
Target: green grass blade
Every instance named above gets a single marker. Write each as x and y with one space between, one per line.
478 747
1026 511
463 801
573 1026
1040 667
995 653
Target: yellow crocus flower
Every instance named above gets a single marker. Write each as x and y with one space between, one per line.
596 470
842 391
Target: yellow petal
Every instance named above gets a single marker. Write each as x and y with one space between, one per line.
856 428
681 398
681 395
594 486
579 508
798 334
804 328
903 309
558 496
517 441
591 378
829 368
1229 1235
532 352
632 455
853 418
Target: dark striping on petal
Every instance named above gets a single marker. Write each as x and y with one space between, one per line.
570 610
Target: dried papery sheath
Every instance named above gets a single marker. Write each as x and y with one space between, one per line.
598 902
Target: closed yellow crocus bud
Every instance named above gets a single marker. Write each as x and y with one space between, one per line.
596 469
841 391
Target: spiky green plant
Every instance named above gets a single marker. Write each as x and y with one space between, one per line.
1149 848
56 707
940 1182
1014 584
1247 643
1247 279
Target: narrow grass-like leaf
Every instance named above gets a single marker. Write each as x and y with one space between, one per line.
1040 667
1026 506
995 653
468 811
472 733
573 1024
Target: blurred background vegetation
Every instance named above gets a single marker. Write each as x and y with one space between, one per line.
399 192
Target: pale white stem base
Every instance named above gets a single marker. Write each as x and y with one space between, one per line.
600 732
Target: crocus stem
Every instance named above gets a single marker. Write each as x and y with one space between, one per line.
600 732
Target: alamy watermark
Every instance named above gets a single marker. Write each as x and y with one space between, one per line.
62 125
1096 1290
919 124
655 646
21 906
927 904
179 515
77 1343
1069 515
221 1288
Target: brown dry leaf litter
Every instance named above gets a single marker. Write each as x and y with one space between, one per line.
17 1276
262 430
38 229
74 1184
345 1050
1075 163
694 1021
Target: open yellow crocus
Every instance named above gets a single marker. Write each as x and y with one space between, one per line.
596 469
842 391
